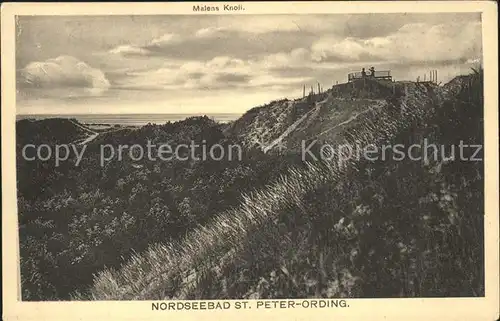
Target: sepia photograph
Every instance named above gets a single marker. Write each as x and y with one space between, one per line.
222 155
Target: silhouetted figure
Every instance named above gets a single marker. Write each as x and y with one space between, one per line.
372 71
363 73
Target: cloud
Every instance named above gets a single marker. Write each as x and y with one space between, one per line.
412 43
152 47
213 32
296 57
168 38
332 49
218 73
129 50
240 40
215 73
443 42
175 45
62 72
253 25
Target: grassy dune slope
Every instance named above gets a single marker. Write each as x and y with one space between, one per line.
365 229
291 121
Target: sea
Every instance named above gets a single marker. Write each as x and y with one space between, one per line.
132 119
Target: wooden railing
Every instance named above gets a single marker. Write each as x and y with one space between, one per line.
383 74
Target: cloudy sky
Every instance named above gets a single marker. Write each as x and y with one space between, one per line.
209 64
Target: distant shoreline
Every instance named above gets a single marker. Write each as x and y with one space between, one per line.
130 119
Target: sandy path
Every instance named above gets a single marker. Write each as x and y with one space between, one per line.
93 135
291 128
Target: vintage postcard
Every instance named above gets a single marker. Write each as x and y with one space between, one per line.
272 160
